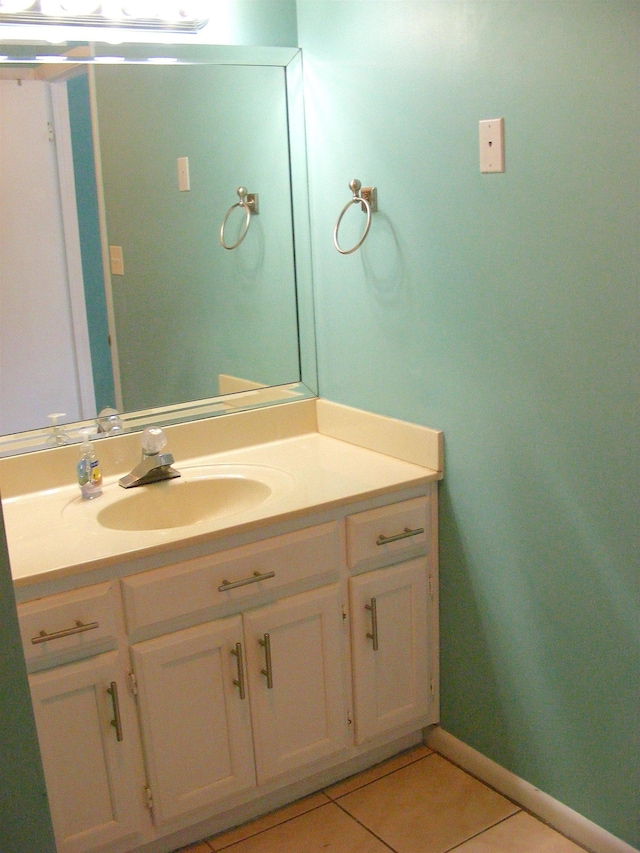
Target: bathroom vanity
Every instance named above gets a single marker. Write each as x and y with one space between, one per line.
187 678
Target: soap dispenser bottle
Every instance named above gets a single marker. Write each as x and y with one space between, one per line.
88 469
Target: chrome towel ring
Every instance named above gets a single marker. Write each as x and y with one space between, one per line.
249 202
368 200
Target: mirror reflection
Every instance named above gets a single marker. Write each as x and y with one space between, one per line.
115 290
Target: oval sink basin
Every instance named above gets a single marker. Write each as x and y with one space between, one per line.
178 503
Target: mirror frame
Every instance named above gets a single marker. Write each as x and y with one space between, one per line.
290 59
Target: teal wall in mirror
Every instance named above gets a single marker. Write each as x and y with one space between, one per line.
90 246
186 310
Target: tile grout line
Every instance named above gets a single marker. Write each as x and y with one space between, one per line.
335 801
482 831
366 828
266 829
330 800
519 806
478 779
377 779
391 772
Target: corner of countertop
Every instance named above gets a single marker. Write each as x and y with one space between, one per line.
403 440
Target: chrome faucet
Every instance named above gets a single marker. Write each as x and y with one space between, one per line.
155 466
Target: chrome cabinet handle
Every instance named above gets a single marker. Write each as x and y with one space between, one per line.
112 690
255 578
268 672
78 628
239 681
373 634
383 540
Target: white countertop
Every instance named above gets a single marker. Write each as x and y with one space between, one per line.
54 533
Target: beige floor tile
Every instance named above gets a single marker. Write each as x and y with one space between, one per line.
293 810
324 830
376 772
521 833
427 807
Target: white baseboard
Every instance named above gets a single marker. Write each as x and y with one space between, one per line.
551 811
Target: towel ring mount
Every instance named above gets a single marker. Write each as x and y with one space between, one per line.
249 203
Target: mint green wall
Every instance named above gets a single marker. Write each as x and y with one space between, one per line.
251 22
24 815
502 309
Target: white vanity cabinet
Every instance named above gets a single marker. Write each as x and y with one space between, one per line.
237 701
287 658
392 617
267 682
85 718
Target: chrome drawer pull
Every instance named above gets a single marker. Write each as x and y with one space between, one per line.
112 690
225 585
268 672
78 628
384 540
239 681
373 635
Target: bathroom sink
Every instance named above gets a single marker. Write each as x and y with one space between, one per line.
182 502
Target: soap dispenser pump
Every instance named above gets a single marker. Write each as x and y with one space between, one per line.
88 469
57 437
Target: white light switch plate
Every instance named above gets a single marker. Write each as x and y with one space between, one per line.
492 145
116 260
184 184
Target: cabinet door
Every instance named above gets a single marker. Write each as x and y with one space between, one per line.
94 795
295 665
389 613
195 723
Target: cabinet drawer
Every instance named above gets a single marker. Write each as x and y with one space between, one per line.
69 624
387 530
231 576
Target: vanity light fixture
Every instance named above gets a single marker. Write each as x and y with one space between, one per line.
69 59
168 15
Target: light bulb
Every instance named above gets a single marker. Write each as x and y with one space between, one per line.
10 7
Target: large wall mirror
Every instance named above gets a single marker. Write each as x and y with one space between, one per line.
117 171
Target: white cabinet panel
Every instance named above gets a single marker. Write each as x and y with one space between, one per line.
196 727
299 713
388 531
77 623
248 571
389 639
94 797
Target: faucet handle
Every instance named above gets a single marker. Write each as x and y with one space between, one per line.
153 441
109 421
